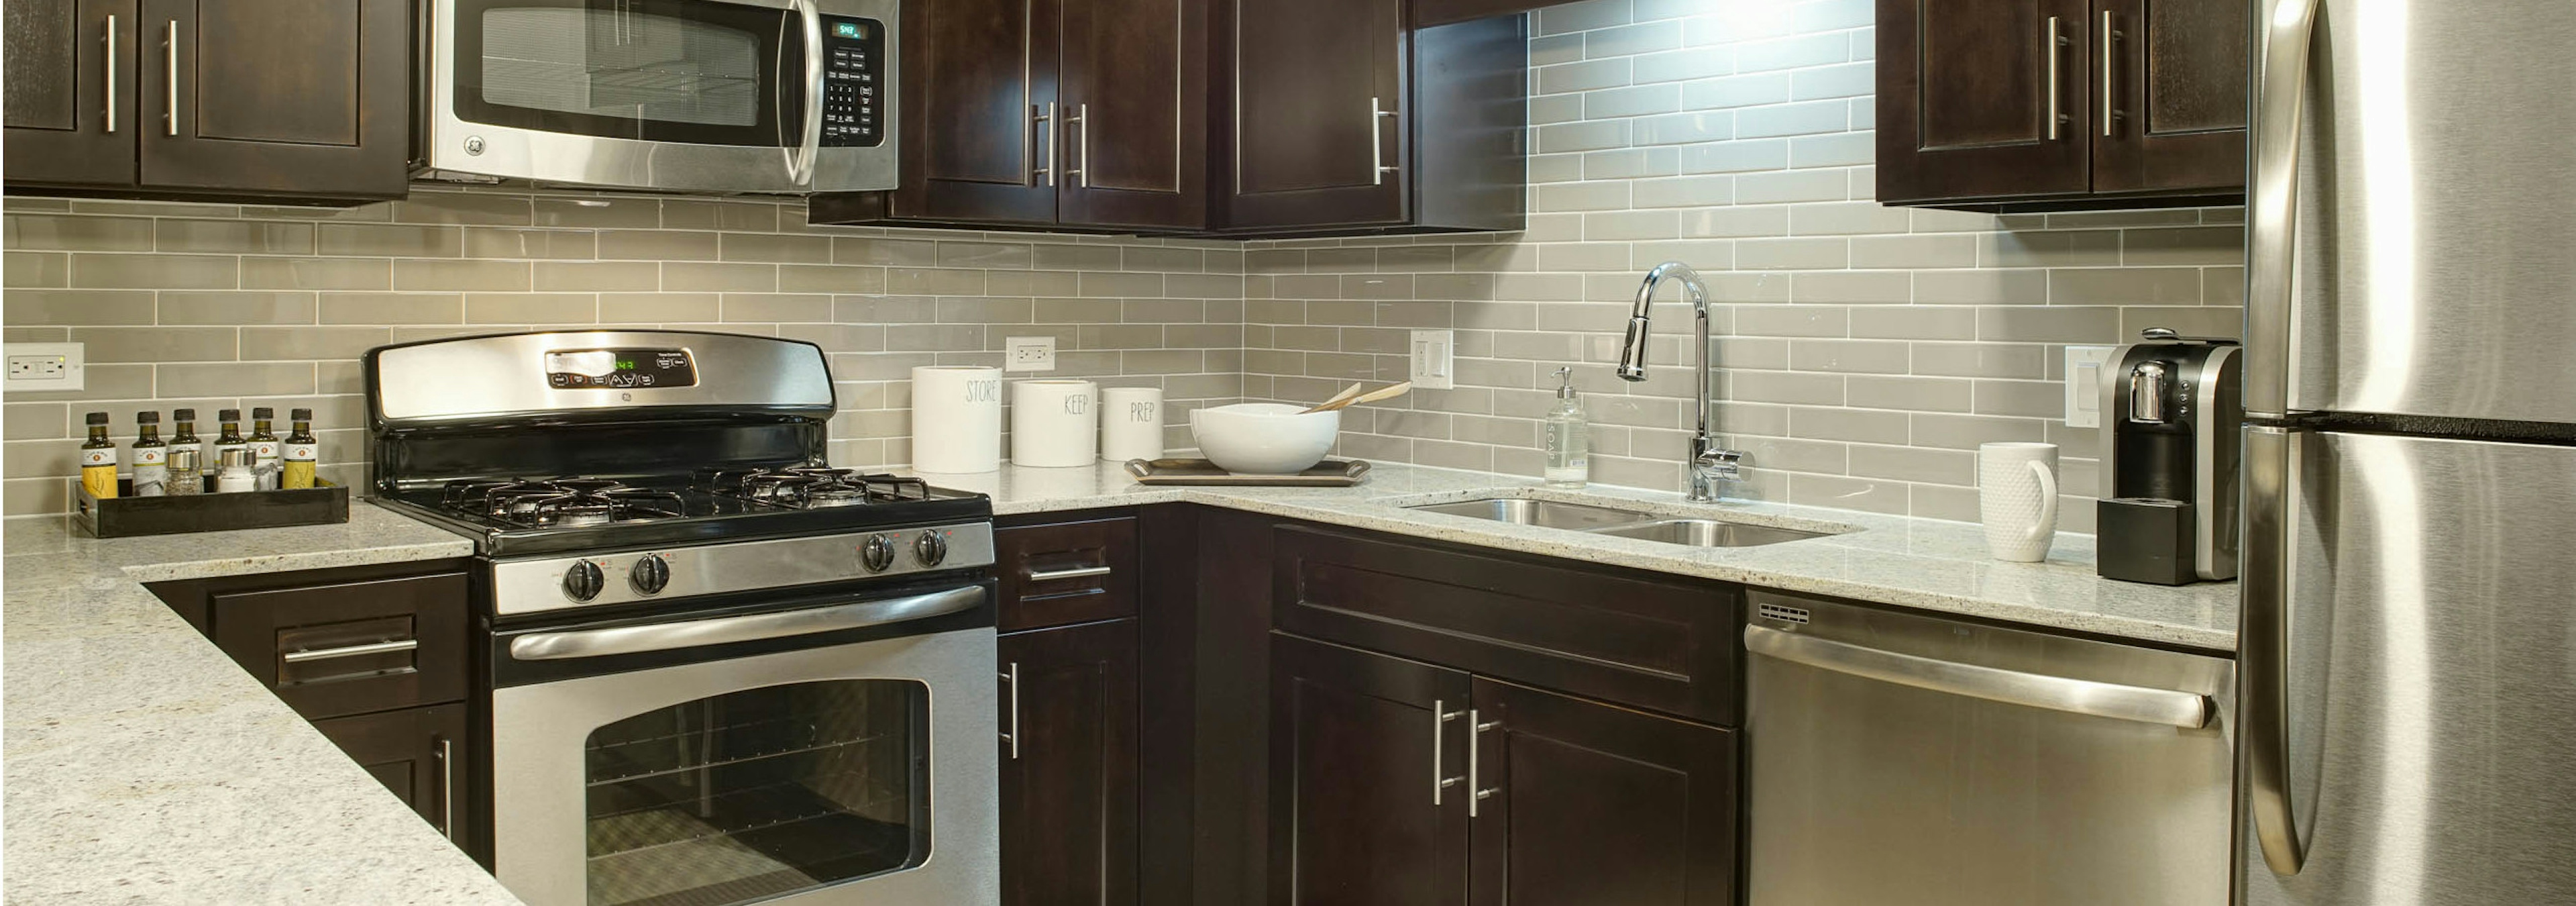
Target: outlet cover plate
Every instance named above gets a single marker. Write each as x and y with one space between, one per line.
46 366
2084 385
1029 354
1434 359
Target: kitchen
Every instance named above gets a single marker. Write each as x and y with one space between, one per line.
1176 654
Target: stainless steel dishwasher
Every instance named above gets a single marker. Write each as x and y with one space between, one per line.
1902 758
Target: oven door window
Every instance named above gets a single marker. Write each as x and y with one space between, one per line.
758 794
693 71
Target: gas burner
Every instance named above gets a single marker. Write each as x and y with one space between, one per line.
560 501
813 487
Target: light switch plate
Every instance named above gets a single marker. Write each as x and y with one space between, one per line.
46 366
2084 385
1029 354
1434 355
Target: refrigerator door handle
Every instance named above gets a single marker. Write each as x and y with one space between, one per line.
2263 643
2272 202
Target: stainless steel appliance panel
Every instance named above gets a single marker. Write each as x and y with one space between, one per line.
1902 758
536 586
542 791
493 377
2424 149
2426 658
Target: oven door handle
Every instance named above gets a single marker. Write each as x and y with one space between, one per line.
550 646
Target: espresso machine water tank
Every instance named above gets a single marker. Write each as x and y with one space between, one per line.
2170 437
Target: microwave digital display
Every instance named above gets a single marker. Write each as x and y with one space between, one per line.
620 369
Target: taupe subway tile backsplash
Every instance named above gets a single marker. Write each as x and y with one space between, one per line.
1863 352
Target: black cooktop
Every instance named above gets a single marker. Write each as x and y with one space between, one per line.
561 514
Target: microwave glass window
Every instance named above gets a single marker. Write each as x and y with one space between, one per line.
758 794
621 64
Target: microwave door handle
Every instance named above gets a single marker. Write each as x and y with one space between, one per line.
800 159
548 646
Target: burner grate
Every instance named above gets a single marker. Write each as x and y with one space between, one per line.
814 487
542 503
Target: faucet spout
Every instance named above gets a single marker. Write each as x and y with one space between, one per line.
1710 466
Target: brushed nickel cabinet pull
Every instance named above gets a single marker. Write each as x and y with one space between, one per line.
111 73
1078 572
2108 111
324 654
1011 675
170 52
447 787
1378 167
1044 115
2056 39
1477 791
1440 779
1081 123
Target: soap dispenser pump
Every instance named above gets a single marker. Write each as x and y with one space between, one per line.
1569 437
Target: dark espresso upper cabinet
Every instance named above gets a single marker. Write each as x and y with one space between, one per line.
291 99
1056 114
1339 118
2061 104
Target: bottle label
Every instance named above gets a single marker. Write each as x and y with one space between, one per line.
266 449
303 452
148 456
100 457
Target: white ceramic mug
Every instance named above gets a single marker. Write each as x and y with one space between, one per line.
2017 499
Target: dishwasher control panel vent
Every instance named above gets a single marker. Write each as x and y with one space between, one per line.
1796 615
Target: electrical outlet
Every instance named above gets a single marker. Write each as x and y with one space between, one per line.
2084 385
45 366
1434 355
1029 354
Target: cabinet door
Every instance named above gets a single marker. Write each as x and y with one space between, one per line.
2177 87
979 77
298 97
1320 114
1135 105
419 753
68 91
1069 765
1965 100
1581 802
1368 799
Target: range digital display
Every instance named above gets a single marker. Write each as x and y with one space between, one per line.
619 369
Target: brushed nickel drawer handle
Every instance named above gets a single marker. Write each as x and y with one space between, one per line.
1079 572
324 654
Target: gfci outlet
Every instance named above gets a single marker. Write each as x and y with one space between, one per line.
1434 354
45 366
2084 385
1029 354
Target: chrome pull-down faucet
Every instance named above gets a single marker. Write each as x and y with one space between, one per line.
1711 467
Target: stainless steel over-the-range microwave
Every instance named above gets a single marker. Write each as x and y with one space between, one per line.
785 96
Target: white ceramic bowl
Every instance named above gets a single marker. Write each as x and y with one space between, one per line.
1264 438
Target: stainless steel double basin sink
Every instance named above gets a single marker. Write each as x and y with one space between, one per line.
1612 521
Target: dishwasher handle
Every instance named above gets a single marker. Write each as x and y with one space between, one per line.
2187 710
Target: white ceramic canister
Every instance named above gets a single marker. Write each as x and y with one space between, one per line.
1131 423
2017 499
956 419
1054 423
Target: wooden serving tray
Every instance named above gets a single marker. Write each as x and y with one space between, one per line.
124 517
1331 473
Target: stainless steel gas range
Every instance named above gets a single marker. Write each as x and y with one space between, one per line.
717 671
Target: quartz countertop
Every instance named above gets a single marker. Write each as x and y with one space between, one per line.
1922 564
143 766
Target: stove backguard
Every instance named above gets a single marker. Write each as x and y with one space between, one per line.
628 450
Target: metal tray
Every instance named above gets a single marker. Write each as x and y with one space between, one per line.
1331 473
125 517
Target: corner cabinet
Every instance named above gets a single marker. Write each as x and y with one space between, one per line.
2014 105
284 99
1054 114
1338 117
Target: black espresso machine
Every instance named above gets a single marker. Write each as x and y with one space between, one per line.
2171 438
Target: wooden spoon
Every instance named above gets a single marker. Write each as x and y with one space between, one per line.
1347 393
1387 392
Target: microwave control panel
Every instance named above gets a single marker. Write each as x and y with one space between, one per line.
853 82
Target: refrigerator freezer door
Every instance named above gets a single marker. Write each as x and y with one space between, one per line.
2431 672
2427 269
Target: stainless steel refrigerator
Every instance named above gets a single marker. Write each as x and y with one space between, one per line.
2408 657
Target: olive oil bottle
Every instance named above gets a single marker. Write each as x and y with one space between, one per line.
151 460
264 448
301 451
98 459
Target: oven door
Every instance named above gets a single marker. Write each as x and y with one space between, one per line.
839 751
682 95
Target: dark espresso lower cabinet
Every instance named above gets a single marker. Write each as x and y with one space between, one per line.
1069 773
418 753
1368 778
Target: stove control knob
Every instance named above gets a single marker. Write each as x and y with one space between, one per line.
930 548
651 574
878 553
583 580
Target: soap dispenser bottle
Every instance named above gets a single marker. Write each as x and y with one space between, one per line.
1569 437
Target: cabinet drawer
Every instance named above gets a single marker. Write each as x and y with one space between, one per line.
350 648
1073 572
1616 636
